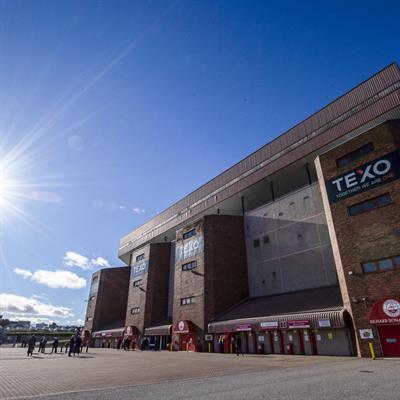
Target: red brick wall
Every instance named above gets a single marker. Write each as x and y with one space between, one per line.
152 295
369 236
110 301
220 279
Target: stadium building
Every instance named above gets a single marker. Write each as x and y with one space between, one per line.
296 248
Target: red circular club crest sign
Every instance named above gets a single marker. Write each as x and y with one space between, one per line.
391 308
385 311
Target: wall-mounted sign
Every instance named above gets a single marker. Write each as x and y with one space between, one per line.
208 338
261 338
299 324
386 311
243 328
366 334
324 323
139 268
189 248
365 177
269 325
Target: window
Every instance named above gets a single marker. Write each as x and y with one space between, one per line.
139 282
95 279
256 243
91 298
188 300
89 319
348 158
189 234
189 266
140 257
266 239
135 310
369 205
385 264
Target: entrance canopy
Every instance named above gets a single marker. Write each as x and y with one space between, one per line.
315 309
110 333
162 330
385 311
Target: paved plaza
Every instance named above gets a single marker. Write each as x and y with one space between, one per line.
110 374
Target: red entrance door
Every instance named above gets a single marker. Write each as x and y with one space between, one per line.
187 342
390 340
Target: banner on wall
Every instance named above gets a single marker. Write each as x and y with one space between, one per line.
189 248
365 177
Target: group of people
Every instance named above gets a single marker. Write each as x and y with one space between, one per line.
130 344
72 347
237 342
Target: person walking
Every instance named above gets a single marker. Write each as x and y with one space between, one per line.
221 343
71 346
44 342
238 345
55 346
78 344
31 345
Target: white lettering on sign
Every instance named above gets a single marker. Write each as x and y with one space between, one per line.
324 323
190 248
269 325
139 268
381 167
364 177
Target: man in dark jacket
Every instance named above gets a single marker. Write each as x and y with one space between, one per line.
78 344
31 345
238 345
55 345
71 346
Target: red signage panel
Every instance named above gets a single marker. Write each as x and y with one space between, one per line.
385 311
299 324
243 328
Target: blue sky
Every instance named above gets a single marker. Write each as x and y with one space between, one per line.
112 110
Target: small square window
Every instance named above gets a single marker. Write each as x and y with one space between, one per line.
266 239
384 200
370 267
256 243
140 257
385 264
397 261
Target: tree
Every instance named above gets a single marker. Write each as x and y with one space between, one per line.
4 322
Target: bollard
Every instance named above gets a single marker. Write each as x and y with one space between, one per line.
231 348
187 347
371 348
209 347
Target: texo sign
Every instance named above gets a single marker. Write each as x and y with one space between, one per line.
370 175
139 268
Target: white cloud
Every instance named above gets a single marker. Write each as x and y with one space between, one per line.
138 210
20 306
100 262
53 279
72 259
23 272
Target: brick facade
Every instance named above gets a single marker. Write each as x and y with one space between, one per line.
108 283
369 236
220 279
151 297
